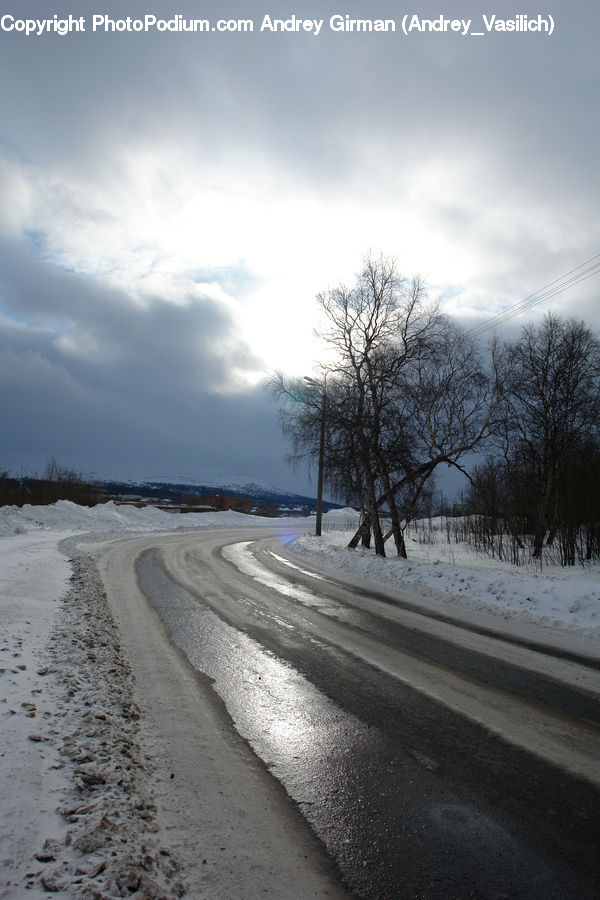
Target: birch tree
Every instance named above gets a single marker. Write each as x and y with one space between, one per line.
552 407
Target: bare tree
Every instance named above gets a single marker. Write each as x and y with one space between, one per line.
59 482
423 393
406 392
553 404
375 329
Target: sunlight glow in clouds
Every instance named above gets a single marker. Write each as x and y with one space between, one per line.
172 204
262 243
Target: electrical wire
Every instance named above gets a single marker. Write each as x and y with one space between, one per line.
558 286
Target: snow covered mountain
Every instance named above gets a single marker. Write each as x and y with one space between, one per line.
172 487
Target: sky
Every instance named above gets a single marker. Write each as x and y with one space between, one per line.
172 203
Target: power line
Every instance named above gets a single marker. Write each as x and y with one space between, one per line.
569 279
539 297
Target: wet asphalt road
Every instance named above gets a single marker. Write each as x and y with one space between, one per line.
411 798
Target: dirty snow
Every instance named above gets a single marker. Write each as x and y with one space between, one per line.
76 810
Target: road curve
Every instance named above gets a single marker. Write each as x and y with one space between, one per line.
483 746
231 825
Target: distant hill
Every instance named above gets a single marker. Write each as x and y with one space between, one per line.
93 487
260 495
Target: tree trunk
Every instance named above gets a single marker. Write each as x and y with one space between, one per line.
363 533
373 513
396 528
353 542
370 499
402 547
542 519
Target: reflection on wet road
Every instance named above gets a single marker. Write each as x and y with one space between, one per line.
411 797
243 560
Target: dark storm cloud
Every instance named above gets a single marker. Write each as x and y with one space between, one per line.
106 383
102 332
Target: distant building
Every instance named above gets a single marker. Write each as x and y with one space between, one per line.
218 502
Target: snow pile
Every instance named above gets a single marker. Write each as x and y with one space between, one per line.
69 726
79 816
67 516
454 573
34 575
341 519
109 848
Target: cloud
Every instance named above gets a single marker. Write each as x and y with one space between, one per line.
90 374
173 203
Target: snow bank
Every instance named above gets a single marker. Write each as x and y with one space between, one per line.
346 516
453 573
79 818
69 728
67 516
34 575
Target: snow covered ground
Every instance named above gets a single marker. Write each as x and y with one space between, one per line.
453 573
70 737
